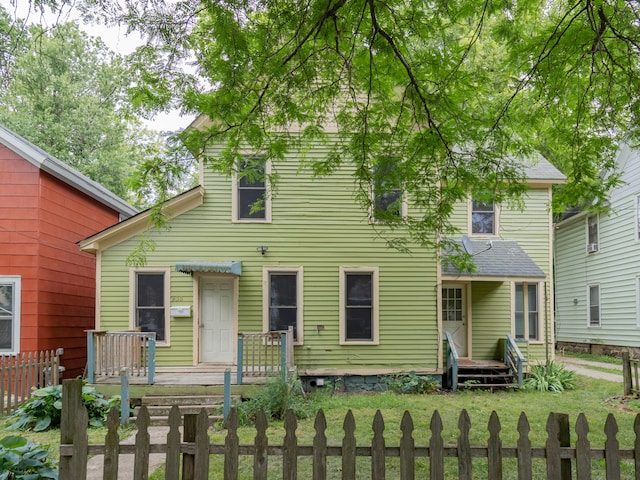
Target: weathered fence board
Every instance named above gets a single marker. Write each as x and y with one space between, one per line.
196 449
21 374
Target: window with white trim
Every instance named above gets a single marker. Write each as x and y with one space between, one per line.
594 305
283 300
386 191
251 200
526 311
592 234
637 217
151 302
10 287
359 305
484 218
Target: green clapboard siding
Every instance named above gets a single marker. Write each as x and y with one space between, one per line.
317 224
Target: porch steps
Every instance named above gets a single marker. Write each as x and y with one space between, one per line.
494 376
159 406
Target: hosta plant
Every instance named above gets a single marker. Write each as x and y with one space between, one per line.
25 460
44 409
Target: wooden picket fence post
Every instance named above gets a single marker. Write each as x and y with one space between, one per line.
21 374
192 452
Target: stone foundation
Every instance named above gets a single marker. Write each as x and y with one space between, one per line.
598 349
350 383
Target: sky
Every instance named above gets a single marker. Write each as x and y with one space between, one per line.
114 37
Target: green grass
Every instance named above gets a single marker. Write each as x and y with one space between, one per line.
591 397
596 398
593 358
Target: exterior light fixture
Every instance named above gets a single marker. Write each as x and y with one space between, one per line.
262 249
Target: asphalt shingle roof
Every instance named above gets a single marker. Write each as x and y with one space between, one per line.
497 258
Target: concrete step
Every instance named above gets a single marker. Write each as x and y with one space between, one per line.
184 400
163 410
164 421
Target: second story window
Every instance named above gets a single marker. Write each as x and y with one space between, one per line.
251 200
592 234
387 203
483 218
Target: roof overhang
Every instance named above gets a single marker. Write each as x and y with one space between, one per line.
201 266
141 222
495 260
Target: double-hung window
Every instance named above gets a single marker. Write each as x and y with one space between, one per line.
592 234
593 292
526 311
359 305
483 218
387 202
10 314
638 217
251 200
150 302
283 300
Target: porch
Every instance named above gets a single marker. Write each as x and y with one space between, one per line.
506 372
112 355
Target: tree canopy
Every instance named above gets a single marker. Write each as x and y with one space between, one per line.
455 90
67 93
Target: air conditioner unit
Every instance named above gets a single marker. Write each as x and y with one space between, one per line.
592 247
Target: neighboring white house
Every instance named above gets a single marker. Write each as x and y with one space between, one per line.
597 268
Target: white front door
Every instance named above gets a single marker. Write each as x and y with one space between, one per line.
454 316
217 320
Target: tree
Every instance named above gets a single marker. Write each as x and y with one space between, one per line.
454 90
67 93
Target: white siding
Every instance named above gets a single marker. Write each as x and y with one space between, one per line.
615 267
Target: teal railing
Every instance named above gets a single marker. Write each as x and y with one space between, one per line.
513 358
452 363
264 354
108 352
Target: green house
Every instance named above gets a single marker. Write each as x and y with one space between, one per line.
311 259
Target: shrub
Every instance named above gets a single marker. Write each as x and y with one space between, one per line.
44 409
411 383
275 398
22 459
552 377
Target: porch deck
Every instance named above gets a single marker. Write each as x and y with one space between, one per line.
201 375
469 363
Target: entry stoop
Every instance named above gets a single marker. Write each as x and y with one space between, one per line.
486 375
159 406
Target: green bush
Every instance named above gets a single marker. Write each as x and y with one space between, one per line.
552 377
22 459
411 383
44 409
275 398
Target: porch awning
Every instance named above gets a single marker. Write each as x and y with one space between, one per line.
496 259
228 266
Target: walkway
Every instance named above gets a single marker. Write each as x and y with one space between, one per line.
586 368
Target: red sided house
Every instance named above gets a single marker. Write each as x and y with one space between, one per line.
47 285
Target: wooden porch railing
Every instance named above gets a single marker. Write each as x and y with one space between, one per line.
108 352
265 354
452 363
513 358
21 374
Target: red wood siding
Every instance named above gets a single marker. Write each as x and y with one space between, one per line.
41 219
